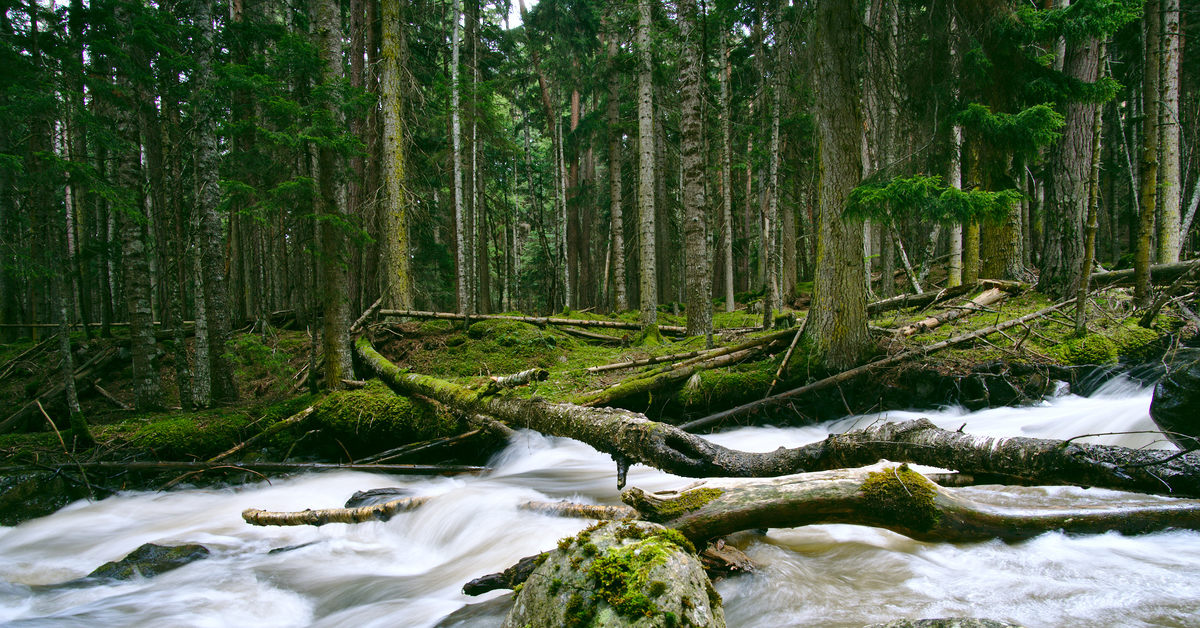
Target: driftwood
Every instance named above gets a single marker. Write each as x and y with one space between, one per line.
988 297
886 495
870 366
540 321
384 511
496 384
1159 274
630 438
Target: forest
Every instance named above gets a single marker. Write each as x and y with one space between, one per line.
618 222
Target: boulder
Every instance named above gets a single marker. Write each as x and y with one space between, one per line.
1176 405
619 574
150 560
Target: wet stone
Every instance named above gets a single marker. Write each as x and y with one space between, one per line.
150 560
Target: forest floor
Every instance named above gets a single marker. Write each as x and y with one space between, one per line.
1020 365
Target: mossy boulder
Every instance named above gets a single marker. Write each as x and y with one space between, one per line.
1176 405
632 573
511 333
1090 349
373 418
435 327
150 560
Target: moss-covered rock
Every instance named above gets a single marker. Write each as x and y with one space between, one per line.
631 573
511 333
649 336
374 417
1090 349
150 560
197 435
435 327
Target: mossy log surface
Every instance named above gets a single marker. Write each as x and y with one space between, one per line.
540 321
891 496
1159 274
630 437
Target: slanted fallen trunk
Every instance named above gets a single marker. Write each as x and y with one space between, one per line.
929 298
82 374
630 437
894 497
540 321
979 303
1159 274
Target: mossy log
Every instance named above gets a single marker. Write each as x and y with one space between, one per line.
1159 274
979 303
890 496
660 378
630 437
540 321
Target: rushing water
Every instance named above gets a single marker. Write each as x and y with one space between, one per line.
408 571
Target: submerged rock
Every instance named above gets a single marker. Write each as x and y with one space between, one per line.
1176 405
632 573
150 560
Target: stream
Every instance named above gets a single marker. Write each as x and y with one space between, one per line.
408 571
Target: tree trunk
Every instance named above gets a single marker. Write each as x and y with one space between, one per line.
1149 170
395 275
617 233
770 221
837 321
698 270
1170 176
214 379
726 173
1093 210
1070 162
334 299
647 266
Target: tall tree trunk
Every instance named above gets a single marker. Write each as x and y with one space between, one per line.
460 241
770 255
617 229
147 392
1070 161
726 173
1093 209
1170 178
837 322
221 386
1149 171
698 272
647 271
395 274
334 298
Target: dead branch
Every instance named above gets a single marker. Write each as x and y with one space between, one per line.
979 303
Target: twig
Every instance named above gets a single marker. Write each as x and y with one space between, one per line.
783 365
69 455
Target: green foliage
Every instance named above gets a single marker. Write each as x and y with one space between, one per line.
925 198
1024 132
1082 19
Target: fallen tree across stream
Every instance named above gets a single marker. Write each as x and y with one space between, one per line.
631 438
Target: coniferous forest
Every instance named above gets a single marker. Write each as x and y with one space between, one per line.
619 222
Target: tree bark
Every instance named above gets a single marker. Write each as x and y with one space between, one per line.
726 173
1170 238
647 266
395 274
617 228
1149 170
697 268
837 321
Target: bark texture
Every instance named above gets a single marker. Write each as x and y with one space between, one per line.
647 266
697 269
395 275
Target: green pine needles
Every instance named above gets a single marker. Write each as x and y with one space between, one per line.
926 198
1024 132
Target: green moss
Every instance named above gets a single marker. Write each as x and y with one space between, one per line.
1090 349
1135 342
197 435
687 501
435 327
373 416
649 337
619 578
903 496
265 361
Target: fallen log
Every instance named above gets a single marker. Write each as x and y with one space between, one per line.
540 321
616 366
377 512
630 438
273 429
11 364
870 366
894 497
1159 274
593 336
1147 319
986 298
659 378
412 448
278 467
496 384
929 298
82 373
